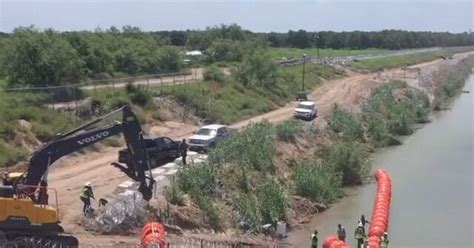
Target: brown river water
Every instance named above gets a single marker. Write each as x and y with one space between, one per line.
433 189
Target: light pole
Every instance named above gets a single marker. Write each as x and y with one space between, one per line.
304 62
317 44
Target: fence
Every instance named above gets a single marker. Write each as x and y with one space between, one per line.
72 95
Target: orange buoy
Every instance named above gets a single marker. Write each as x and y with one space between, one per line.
153 235
329 240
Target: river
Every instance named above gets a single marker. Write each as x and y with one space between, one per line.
433 189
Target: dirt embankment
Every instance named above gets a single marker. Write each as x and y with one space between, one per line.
71 172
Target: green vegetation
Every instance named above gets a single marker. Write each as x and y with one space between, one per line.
200 183
344 122
31 57
250 92
214 74
349 159
278 53
249 182
377 64
41 123
450 81
317 182
255 145
392 109
386 39
288 130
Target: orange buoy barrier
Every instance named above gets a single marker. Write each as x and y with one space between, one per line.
381 210
333 241
153 235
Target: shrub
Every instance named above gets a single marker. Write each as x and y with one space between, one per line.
288 130
248 210
197 181
214 73
268 205
386 115
174 195
252 148
11 155
139 95
272 202
348 158
318 183
342 121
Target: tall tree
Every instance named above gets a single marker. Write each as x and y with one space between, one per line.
41 58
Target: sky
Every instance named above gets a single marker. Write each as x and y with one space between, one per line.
258 15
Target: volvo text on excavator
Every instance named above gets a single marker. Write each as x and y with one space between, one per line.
26 217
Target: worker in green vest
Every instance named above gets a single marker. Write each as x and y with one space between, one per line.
360 235
86 195
384 240
314 239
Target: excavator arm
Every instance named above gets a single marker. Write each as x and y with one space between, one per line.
87 135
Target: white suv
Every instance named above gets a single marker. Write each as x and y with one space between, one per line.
306 110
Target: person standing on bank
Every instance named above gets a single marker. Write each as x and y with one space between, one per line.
363 221
341 232
183 148
360 235
314 239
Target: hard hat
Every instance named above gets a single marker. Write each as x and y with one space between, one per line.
385 233
88 184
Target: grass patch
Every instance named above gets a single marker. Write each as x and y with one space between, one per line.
349 159
391 110
199 183
45 124
229 101
377 64
288 130
344 122
450 80
253 149
317 182
10 155
278 53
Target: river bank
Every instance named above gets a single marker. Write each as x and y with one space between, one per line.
347 92
432 180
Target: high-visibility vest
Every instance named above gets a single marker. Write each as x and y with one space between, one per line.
383 241
85 193
314 239
359 233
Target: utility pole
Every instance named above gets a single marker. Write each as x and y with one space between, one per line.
316 37
304 62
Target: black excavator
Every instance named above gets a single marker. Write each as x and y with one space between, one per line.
26 217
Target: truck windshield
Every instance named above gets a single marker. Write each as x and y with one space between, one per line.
305 106
207 132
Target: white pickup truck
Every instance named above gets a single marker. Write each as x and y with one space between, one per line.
207 137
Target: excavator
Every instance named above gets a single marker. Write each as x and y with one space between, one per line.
26 217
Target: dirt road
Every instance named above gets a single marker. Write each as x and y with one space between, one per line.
71 173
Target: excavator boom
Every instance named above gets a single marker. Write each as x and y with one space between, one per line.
26 216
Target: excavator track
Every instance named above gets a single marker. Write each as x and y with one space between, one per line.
18 239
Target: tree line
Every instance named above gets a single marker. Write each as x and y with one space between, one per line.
33 57
385 39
